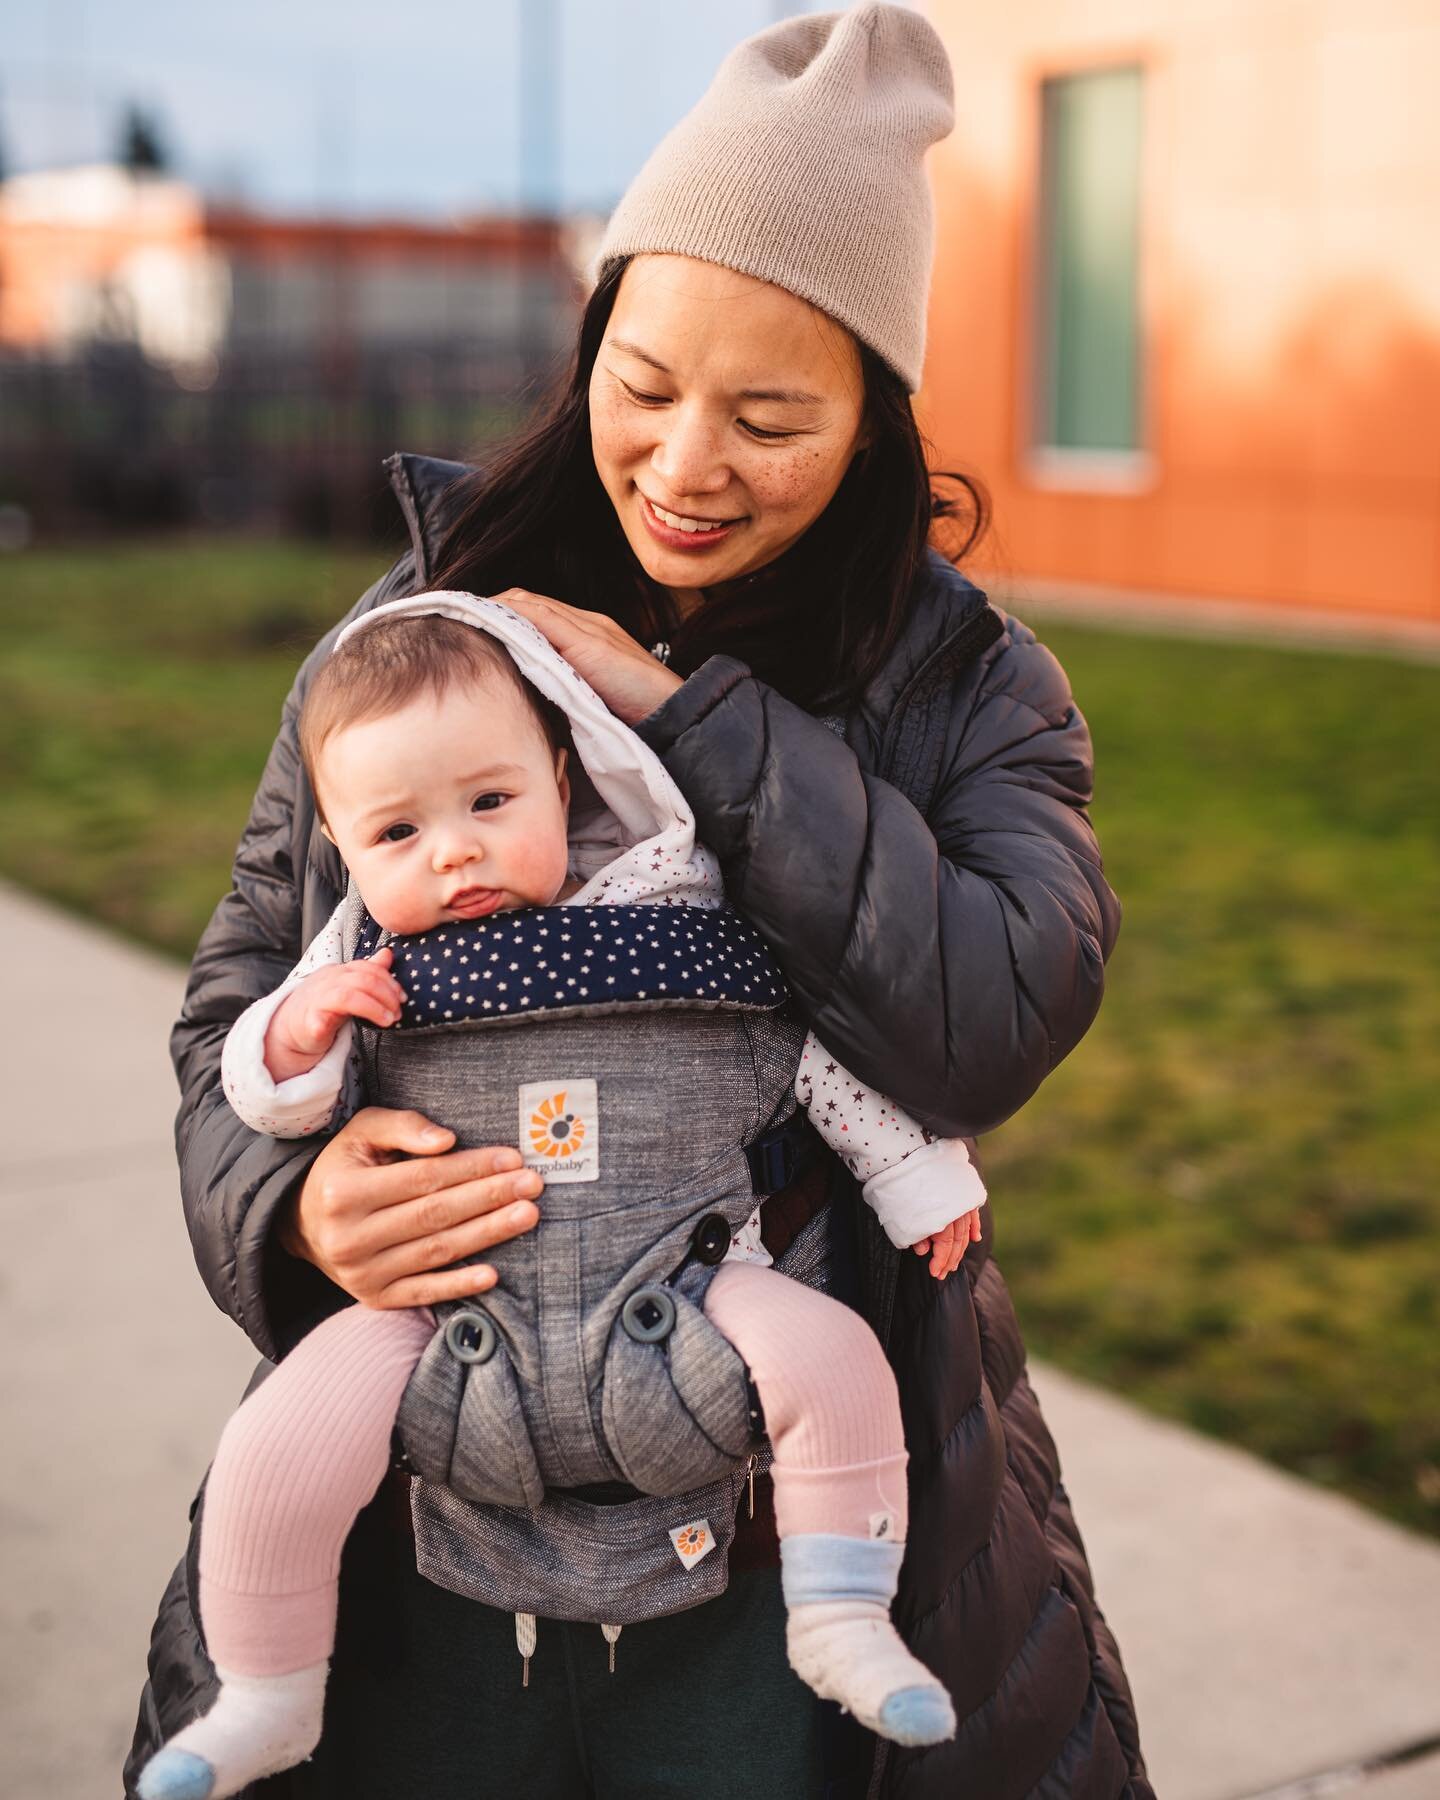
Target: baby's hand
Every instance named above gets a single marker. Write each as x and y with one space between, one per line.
305 1024
949 1244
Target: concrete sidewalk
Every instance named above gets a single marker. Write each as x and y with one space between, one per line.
1309 1645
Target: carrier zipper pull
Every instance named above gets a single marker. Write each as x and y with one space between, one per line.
525 1642
610 1633
750 1479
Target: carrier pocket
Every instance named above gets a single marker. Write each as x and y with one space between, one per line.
675 1403
460 1419
570 1559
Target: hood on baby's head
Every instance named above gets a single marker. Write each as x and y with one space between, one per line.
632 833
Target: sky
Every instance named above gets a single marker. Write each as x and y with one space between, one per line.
410 107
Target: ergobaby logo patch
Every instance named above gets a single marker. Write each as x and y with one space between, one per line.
692 1541
560 1130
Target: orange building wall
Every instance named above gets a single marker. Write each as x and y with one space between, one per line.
1290 296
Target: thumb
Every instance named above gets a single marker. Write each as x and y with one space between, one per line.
387 954
409 1133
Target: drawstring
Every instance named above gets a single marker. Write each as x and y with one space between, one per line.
525 1642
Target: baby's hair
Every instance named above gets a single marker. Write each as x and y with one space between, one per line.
382 668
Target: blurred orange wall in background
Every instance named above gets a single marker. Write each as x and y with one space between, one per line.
1287 294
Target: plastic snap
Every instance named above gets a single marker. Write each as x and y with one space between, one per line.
648 1315
711 1238
470 1337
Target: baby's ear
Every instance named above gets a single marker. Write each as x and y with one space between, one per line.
562 775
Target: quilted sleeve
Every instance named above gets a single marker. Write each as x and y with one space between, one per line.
950 960
233 1180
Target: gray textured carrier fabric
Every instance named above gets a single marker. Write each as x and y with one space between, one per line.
546 1383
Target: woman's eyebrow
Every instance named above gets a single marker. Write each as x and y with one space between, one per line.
785 396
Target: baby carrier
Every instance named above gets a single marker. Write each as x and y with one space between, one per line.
634 1051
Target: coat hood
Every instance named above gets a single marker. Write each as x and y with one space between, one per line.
632 834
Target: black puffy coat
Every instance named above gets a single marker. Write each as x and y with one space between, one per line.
933 891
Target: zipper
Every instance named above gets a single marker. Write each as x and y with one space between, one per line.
984 627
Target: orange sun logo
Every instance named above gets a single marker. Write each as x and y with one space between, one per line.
555 1132
690 1541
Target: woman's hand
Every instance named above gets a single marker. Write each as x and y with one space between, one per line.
947 1248
384 1210
623 673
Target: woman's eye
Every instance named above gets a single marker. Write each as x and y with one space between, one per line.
396 834
487 802
644 399
769 436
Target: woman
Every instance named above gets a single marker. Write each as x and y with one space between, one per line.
895 779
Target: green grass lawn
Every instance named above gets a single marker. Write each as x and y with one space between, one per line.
1225 1204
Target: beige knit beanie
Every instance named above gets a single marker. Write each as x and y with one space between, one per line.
803 164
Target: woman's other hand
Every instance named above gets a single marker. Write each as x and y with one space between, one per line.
388 1205
946 1249
623 673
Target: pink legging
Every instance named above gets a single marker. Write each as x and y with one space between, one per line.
309 1447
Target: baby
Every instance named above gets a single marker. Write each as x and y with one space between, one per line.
441 777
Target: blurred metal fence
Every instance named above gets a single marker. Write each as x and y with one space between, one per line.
109 441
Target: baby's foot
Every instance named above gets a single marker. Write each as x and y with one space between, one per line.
259 1725
848 1650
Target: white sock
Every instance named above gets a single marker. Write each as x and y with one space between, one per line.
848 1650
259 1725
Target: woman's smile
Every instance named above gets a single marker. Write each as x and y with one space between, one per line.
694 535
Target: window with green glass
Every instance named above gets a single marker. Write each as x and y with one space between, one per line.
1089 361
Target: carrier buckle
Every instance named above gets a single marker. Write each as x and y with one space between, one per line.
779 1155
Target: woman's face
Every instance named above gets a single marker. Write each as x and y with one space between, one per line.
729 405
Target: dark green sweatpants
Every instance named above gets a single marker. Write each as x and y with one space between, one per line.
425 1699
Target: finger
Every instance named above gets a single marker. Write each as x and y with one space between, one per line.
438 1250
441 1211
376 983
375 1130
363 1006
361 978
975 1226
429 1290
457 1180
921 1248
375 961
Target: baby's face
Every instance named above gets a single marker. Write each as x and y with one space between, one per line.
448 809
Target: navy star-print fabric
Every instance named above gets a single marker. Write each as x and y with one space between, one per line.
545 959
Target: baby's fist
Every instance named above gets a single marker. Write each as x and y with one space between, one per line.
947 1247
308 1020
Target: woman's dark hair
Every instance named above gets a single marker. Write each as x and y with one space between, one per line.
817 623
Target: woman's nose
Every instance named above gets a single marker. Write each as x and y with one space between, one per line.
688 457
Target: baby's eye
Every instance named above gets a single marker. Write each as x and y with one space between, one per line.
396 834
487 802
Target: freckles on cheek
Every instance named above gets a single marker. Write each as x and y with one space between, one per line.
614 433
793 480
